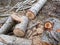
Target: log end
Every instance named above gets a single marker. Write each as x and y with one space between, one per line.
18 32
48 25
45 43
30 15
15 17
58 30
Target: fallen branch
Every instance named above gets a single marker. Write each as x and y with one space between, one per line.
22 6
21 27
5 15
32 12
12 8
12 40
8 25
33 25
54 36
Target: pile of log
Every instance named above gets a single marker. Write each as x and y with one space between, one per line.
18 25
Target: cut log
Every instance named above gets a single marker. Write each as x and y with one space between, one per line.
16 17
48 25
8 25
12 40
58 30
2 43
32 12
21 27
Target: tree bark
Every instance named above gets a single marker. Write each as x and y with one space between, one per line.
12 40
52 36
32 12
2 43
21 27
8 25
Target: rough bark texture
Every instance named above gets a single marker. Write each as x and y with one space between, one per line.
53 36
21 27
8 25
32 12
2 43
12 40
